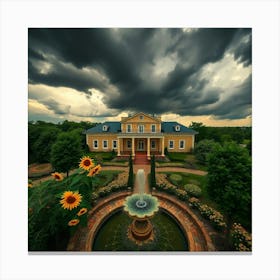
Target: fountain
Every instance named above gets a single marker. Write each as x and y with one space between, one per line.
141 207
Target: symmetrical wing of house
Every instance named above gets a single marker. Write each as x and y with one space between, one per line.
140 133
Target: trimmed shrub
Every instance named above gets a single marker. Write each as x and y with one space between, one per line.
175 179
193 190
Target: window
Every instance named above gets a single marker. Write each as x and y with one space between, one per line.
177 128
171 144
95 144
182 144
153 128
114 144
141 128
105 128
153 144
128 144
141 117
105 144
128 128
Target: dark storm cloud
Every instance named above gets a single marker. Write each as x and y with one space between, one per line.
126 59
57 108
242 46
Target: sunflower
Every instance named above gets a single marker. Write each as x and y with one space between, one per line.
95 170
82 211
70 200
57 176
86 163
73 222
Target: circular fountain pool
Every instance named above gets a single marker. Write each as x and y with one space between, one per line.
113 235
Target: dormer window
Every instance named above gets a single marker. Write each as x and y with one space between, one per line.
105 128
177 128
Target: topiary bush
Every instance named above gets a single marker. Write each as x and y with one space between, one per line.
193 190
175 179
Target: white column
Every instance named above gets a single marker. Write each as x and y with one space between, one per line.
192 142
148 148
119 144
133 147
162 146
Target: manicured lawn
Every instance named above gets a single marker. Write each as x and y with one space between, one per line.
106 176
188 160
196 180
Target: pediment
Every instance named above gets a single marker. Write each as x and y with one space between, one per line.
141 117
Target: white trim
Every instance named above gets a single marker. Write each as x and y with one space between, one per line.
177 128
94 145
169 141
184 141
103 147
116 141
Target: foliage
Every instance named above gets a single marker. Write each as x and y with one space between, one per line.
229 180
164 185
215 217
49 224
241 239
130 180
221 134
66 152
175 179
48 227
166 151
203 148
42 146
153 172
173 156
200 128
193 190
41 136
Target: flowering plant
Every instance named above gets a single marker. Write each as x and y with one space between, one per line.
241 239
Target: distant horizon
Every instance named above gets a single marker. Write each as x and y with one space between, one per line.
101 74
99 122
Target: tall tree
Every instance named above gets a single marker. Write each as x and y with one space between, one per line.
42 146
66 152
130 180
153 171
203 148
200 128
229 181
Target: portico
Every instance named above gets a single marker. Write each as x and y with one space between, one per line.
149 143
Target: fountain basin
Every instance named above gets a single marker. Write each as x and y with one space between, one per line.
112 235
141 205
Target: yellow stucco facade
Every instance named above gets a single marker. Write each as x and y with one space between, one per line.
140 133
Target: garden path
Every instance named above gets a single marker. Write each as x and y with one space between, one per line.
181 169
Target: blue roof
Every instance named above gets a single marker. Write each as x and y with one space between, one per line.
169 127
113 127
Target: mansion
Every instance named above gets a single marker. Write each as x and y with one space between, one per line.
140 133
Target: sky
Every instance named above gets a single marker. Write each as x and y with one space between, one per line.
101 74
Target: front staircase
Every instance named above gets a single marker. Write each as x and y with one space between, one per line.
141 159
